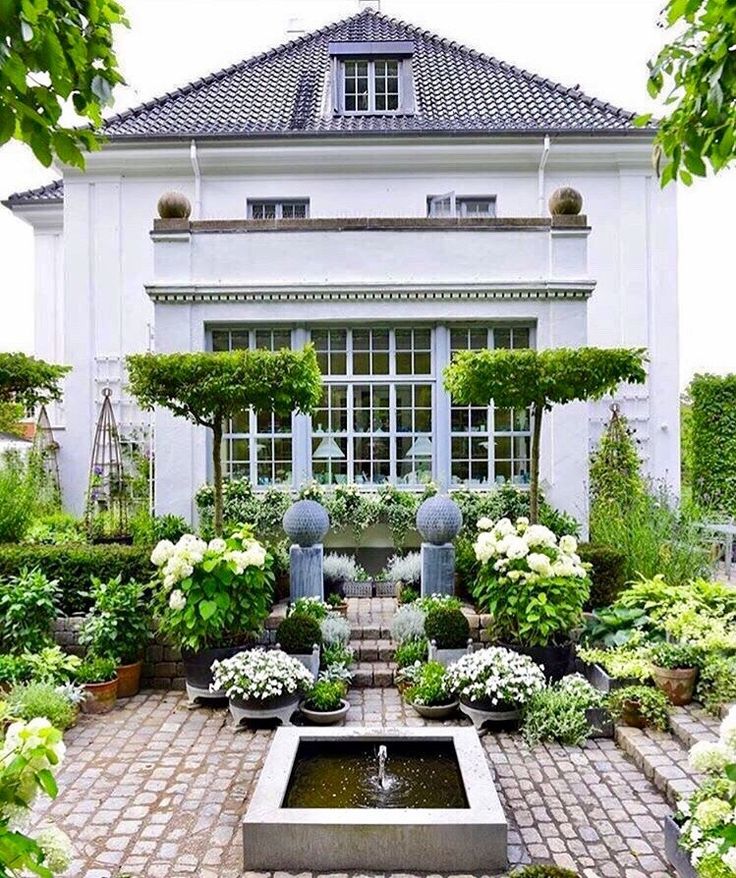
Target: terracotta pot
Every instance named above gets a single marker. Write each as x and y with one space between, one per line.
129 679
631 715
677 684
101 697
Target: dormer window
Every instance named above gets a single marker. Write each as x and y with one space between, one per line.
372 78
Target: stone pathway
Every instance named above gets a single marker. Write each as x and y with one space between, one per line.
155 790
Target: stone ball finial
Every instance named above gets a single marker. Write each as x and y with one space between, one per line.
439 520
565 201
174 205
306 522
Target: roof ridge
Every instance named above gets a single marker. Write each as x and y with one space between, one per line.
239 65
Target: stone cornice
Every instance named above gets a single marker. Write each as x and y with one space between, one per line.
189 293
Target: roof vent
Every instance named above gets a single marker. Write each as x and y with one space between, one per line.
369 4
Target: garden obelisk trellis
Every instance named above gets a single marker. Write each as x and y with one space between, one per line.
106 494
46 447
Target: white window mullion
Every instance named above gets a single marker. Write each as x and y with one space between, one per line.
371 86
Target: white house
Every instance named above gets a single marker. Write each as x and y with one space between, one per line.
382 192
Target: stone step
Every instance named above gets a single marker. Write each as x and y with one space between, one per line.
662 758
693 723
373 675
373 650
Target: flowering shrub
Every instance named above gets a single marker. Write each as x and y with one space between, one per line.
708 817
429 686
30 756
310 606
212 593
259 674
533 584
497 675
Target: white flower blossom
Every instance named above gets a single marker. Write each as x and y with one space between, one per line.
57 849
729 859
728 729
711 756
161 554
568 544
177 600
539 563
217 545
485 523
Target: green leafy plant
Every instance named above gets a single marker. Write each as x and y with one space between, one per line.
615 477
696 73
407 594
298 634
26 380
30 756
430 686
13 669
616 626
311 606
628 662
326 695
28 701
28 607
607 573
335 600
448 627
558 712
674 656
337 654
73 565
649 704
544 872
96 669
207 388
408 623
55 529
51 665
411 651
335 629
659 598
19 485
526 378
118 625
212 594
717 682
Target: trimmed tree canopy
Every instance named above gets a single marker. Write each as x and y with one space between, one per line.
538 380
28 382
208 388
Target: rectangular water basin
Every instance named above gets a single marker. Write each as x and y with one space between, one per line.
319 805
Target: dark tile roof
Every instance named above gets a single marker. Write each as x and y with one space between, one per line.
282 91
52 193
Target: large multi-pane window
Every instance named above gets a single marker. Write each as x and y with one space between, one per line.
259 446
375 421
489 445
383 415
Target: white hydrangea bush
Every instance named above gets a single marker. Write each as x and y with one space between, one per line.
212 591
495 675
708 817
533 584
260 674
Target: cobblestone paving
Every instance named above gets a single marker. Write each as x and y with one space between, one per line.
155 790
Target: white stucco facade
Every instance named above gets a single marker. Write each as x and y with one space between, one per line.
108 284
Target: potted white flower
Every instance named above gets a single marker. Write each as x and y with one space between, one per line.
534 586
212 599
262 684
494 684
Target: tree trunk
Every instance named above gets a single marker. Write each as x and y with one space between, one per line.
537 412
217 470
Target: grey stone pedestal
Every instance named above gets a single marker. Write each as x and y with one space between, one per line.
438 569
305 575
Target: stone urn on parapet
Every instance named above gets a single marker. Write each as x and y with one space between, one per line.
438 521
305 523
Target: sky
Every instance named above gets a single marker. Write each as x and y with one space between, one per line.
602 45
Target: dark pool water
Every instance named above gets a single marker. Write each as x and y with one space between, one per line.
344 774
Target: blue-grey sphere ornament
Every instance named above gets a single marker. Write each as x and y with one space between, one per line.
306 522
439 520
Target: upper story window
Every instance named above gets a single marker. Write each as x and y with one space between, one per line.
268 209
372 77
371 86
461 205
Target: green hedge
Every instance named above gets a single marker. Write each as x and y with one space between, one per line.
72 567
607 576
713 442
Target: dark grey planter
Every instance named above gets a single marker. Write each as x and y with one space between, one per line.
676 856
600 722
597 677
359 588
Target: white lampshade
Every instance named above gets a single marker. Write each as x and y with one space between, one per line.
328 449
420 447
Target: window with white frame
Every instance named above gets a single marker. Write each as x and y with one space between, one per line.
258 447
371 85
270 209
489 445
454 205
375 424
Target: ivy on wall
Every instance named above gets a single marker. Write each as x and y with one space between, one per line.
714 442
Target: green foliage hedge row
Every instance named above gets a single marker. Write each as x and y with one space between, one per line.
72 566
607 576
714 442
